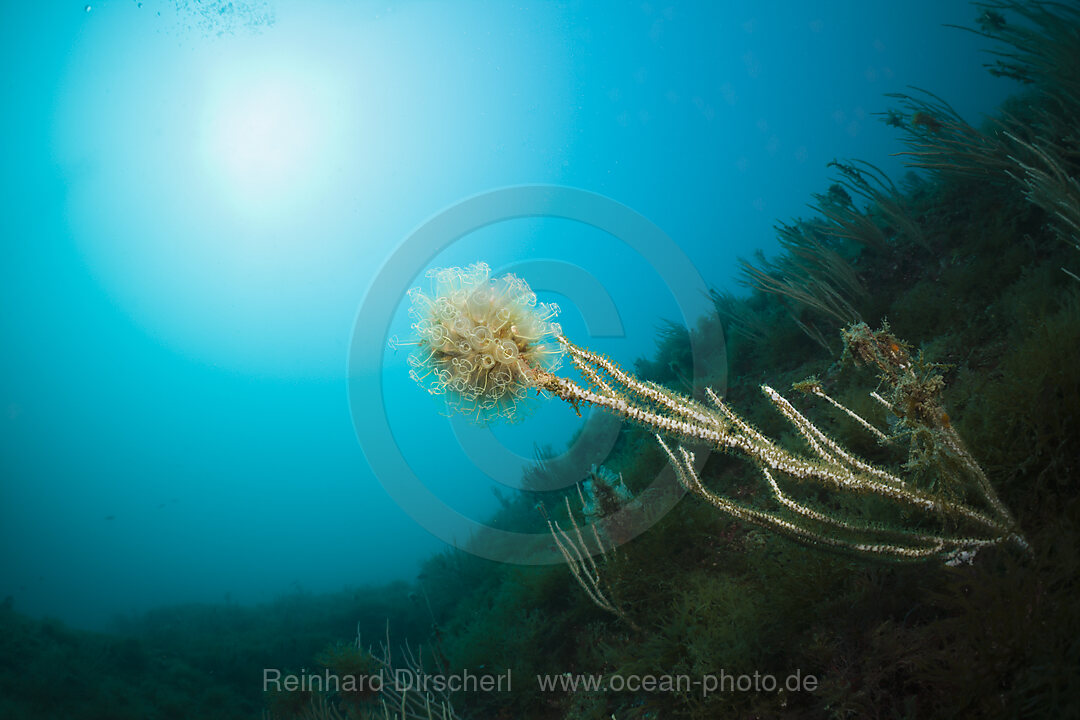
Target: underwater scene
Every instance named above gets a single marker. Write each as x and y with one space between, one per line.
484 360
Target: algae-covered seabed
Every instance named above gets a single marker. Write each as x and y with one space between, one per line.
973 261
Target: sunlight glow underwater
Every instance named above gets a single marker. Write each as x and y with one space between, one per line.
267 137
235 197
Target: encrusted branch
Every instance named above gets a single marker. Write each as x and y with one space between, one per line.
940 524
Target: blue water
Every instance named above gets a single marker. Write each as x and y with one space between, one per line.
198 198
